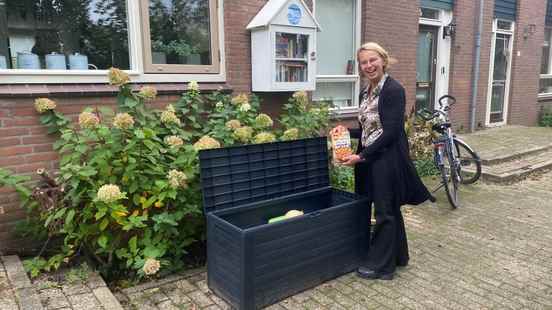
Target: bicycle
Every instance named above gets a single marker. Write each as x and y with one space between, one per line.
457 162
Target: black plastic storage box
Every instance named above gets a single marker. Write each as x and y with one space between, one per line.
251 263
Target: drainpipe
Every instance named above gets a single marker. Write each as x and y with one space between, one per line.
476 63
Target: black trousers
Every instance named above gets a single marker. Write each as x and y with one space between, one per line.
388 242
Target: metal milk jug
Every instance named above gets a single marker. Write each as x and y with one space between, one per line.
78 62
27 60
55 61
3 63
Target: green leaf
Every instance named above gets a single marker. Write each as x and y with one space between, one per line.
59 213
104 224
139 134
152 252
150 201
101 213
133 187
150 145
44 119
130 102
132 244
160 184
121 253
70 216
102 241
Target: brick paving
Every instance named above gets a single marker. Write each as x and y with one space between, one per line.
79 288
7 295
492 253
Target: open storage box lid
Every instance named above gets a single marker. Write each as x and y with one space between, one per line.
239 175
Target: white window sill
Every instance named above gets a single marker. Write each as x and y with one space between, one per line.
99 76
544 96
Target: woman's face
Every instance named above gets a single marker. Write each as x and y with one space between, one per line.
371 65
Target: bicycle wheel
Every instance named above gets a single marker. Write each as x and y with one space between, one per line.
470 163
450 177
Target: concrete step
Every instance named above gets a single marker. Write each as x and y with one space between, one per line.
514 167
496 159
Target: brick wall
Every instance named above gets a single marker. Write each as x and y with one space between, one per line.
462 60
526 64
394 25
237 14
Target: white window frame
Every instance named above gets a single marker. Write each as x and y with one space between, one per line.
355 77
508 74
549 70
136 56
442 71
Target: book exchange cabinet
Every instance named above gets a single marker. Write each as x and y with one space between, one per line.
252 263
283 47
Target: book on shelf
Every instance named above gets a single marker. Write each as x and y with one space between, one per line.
289 71
282 46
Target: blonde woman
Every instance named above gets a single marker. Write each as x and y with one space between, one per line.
383 169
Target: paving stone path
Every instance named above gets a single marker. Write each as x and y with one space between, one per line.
493 253
7 294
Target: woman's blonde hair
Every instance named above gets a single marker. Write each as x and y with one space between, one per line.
373 46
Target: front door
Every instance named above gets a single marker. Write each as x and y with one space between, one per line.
501 58
426 61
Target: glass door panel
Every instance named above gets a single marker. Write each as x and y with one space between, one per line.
500 77
426 59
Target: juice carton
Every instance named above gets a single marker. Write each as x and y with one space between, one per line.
341 143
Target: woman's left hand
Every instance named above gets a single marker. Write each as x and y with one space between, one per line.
352 160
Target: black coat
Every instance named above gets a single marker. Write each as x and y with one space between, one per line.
391 150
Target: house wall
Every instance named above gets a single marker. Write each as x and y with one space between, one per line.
394 25
462 58
526 63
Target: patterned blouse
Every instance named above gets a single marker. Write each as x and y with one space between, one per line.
368 115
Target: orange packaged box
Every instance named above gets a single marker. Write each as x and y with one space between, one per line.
341 143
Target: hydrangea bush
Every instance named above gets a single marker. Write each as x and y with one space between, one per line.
130 177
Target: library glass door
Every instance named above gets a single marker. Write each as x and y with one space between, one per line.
426 61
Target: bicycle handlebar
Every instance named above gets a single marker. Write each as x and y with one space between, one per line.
428 115
450 101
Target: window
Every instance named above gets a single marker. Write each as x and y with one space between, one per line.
340 94
61 35
429 13
75 41
178 36
337 79
545 85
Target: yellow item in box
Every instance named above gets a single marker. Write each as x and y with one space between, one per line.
341 143
289 214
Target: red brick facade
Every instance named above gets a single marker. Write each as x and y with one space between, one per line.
526 61
24 145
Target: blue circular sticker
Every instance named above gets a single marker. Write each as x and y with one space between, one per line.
294 14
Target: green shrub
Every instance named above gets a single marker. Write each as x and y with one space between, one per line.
128 184
420 137
546 118
342 177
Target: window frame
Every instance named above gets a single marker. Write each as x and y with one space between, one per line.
547 76
508 81
150 67
355 77
136 72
